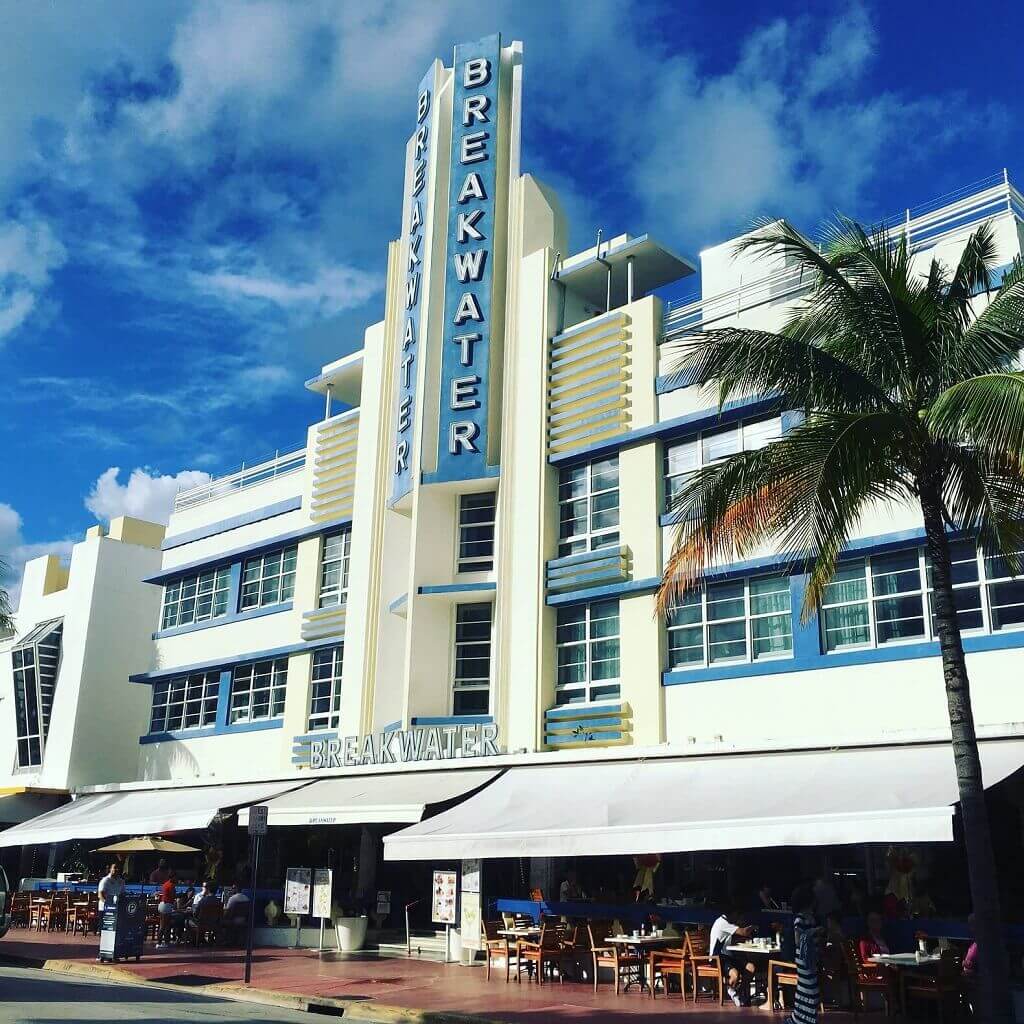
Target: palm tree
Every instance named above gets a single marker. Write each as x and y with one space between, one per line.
908 395
6 615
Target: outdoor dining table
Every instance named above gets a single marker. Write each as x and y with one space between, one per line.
642 943
752 948
520 933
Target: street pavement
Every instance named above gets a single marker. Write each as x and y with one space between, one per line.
30 996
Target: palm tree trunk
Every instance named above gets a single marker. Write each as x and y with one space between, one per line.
993 961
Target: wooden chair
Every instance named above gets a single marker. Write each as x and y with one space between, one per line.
206 925
496 948
611 955
865 978
21 910
944 988
546 952
84 919
781 975
703 966
668 962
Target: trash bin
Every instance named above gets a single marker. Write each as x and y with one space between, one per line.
123 929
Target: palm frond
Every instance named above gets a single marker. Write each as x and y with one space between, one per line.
744 362
986 412
802 494
974 269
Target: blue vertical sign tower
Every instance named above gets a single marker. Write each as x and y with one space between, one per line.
469 271
412 294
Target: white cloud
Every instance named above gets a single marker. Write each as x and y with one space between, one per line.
15 552
29 254
145 495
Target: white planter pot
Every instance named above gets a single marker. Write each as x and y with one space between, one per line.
351 933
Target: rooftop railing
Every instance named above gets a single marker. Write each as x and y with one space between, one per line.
925 226
279 464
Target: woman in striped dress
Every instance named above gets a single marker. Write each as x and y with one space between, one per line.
806 934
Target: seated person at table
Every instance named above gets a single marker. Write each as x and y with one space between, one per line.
569 889
873 943
766 899
236 910
738 973
205 895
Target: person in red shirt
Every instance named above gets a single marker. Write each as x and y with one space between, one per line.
874 941
165 908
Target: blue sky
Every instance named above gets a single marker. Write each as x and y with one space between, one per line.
195 198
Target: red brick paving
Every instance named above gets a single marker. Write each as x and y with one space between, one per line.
415 984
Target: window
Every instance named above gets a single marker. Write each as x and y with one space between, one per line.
196 598
684 457
35 660
587 641
257 690
269 579
476 532
334 561
472 682
732 621
588 506
185 702
325 695
881 600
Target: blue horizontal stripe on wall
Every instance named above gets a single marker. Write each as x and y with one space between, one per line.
899 652
454 720
571 711
561 727
612 590
256 515
255 548
458 588
680 425
490 473
224 620
212 730
234 659
599 737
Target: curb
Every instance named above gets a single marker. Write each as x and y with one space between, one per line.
367 1011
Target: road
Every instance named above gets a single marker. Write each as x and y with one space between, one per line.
29 996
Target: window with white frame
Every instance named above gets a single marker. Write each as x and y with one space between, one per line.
334 562
471 687
196 598
257 690
325 691
269 579
477 514
35 661
685 456
881 599
185 702
588 506
733 621
587 649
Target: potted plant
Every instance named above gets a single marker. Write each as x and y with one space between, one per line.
350 923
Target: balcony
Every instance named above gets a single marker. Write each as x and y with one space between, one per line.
590 569
925 226
279 464
588 725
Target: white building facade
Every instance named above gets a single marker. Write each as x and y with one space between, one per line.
459 567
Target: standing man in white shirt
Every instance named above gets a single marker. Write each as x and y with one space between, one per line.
110 888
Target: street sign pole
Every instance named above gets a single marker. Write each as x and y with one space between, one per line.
257 828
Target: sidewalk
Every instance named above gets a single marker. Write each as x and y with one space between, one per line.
371 988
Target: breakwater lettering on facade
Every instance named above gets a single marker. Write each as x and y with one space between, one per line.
436 743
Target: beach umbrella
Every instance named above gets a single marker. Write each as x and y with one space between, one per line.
146 844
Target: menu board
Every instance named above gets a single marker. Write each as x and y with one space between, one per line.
444 897
471 876
470 930
296 891
322 892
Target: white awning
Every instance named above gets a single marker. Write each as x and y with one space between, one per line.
139 812
727 802
372 799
